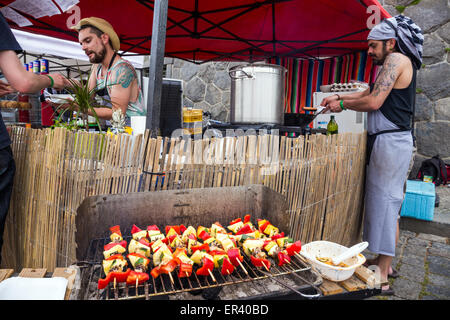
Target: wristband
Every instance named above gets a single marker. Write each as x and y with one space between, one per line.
51 79
342 104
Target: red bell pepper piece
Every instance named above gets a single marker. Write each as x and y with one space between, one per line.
207 265
294 248
204 235
185 270
245 229
141 277
227 267
258 262
119 276
115 229
235 256
110 245
278 235
182 229
235 221
204 247
135 229
247 218
283 258
264 226
164 268
102 283
116 256
153 228
176 228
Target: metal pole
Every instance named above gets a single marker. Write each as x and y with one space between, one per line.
156 65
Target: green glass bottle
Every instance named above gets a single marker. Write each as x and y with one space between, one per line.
332 127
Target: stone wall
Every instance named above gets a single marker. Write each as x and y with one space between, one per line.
433 82
205 86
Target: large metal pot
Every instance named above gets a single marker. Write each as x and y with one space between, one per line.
257 94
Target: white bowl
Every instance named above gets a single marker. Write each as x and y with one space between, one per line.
327 249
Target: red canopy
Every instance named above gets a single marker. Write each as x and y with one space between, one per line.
202 30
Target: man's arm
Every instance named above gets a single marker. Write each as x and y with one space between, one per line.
389 74
335 97
22 80
383 85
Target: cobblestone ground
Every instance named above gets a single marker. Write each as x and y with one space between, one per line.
423 262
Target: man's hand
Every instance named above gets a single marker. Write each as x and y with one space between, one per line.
5 89
328 100
59 81
333 106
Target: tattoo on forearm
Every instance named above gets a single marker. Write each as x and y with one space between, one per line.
388 75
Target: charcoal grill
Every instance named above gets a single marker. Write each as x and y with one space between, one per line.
189 207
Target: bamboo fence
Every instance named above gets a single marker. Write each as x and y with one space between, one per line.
321 177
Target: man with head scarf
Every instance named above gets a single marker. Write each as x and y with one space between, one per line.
114 78
396 45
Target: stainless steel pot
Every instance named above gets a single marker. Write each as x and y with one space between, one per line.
257 94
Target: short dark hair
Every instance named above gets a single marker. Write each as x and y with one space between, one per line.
96 31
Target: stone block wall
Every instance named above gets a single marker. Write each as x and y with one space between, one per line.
205 86
433 79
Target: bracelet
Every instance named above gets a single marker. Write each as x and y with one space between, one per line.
342 104
51 79
339 98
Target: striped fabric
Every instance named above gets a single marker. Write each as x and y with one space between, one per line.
304 77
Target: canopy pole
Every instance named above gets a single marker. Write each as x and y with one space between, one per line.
156 65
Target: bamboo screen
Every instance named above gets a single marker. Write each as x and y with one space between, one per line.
321 177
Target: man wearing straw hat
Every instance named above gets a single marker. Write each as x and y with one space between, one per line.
396 44
19 79
113 78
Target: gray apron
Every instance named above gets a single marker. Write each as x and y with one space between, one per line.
386 174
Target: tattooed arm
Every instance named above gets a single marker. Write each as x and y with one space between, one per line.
392 69
123 80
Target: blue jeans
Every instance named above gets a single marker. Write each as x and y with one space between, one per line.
7 171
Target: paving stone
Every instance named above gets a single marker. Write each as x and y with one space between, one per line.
439 265
415 250
438 280
411 272
406 289
418 242
439 249
432 237
442 292
413 260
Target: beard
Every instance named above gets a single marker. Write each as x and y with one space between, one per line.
380 61
98 56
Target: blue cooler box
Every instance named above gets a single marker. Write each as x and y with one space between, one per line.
419 200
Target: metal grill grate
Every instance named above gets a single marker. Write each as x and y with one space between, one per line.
163 285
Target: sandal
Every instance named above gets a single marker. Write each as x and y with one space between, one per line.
394 274
387 292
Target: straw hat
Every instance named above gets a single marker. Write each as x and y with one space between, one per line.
103 26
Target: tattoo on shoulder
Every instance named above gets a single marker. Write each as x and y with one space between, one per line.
388 74
124 75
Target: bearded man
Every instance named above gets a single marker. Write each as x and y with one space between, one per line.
396 45
114 78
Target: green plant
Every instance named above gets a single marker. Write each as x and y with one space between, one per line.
447 49
418 90
82 101
400 9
